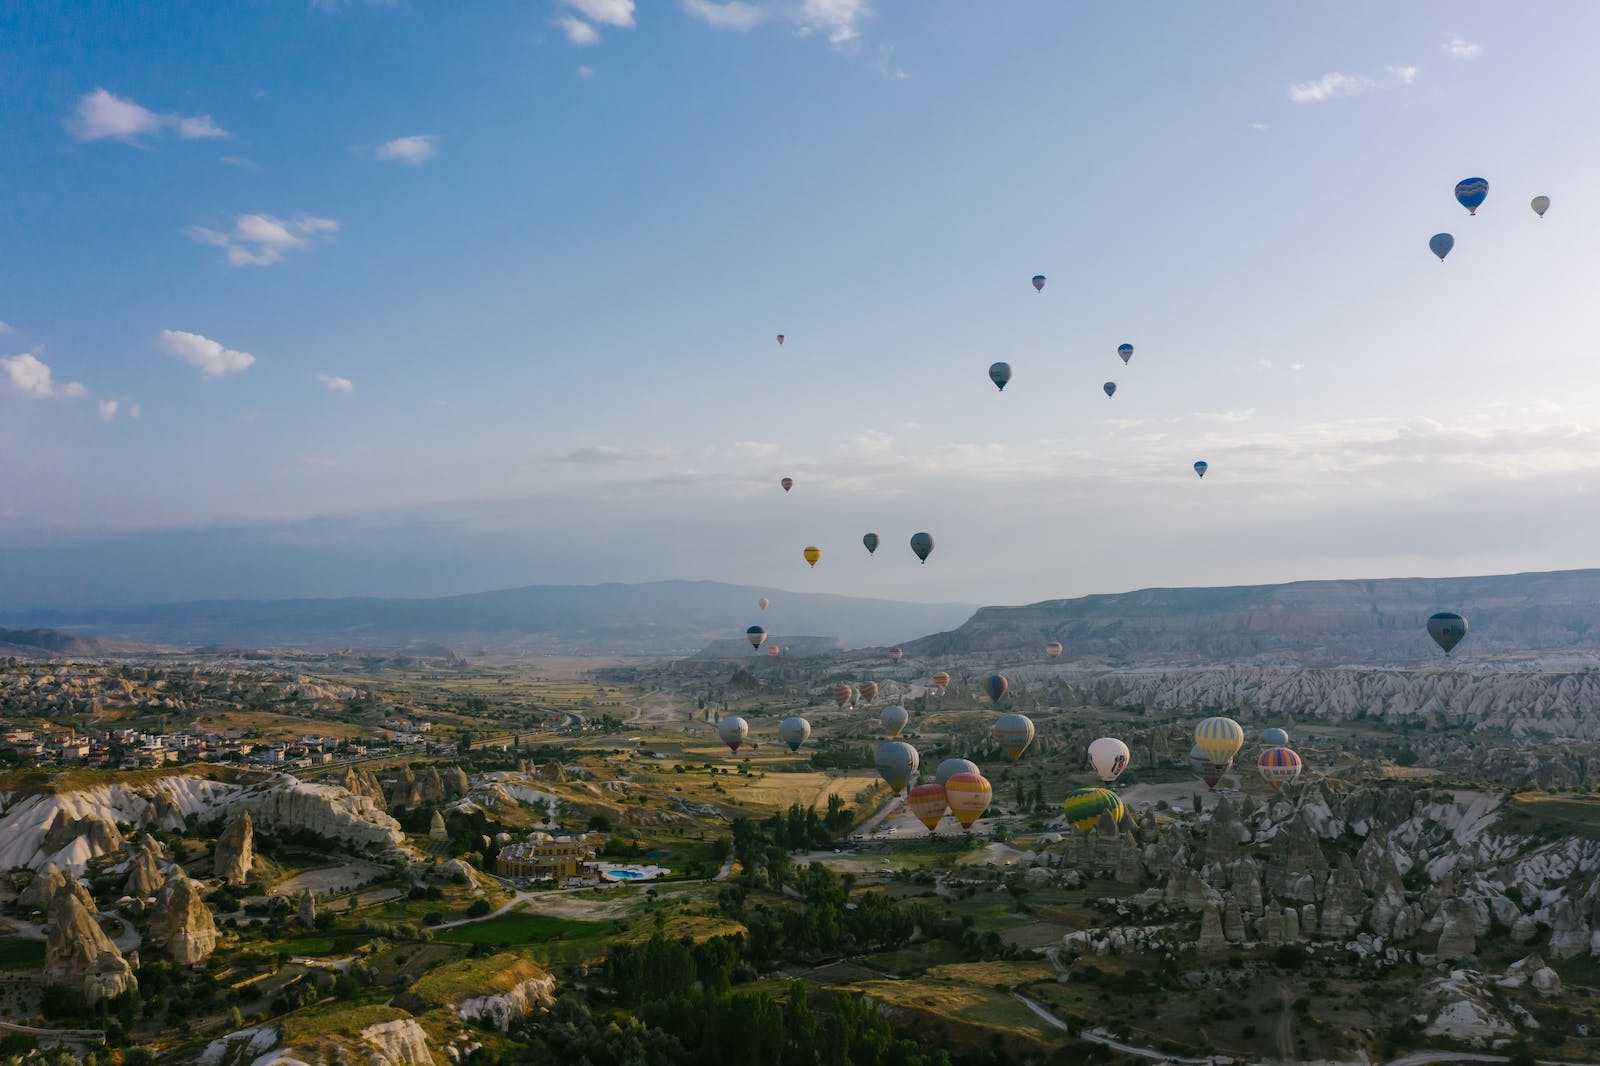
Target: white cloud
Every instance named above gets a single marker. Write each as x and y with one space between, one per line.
886 65
100 115
413 150
108 410
28 375
606 453
4 328
578 31
1259 127
133 410
212 358
585 73
839 19
730 15
1407 75
870 440
1461 48
258 240
754 449
73 390
336 384
1330 86
240 161
605 12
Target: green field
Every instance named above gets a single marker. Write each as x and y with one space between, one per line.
518 928
19 954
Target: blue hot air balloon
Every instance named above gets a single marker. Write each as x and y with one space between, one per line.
1440 244
871 541
1038 283
1110 387
1471 193
922 544
996 686
1126 351
1201 466
1000 373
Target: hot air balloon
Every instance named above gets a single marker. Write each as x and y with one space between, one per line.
812 554
1208 769
1273 737
1447 628
1110 387
1038 283
869 691
733 731
996 686
1000 373
841 694
896 654
755 635
893 718
795 731
871 541
780 338
1054 649
1015 733
1540 205
1201 466
1109 757
927 802
922 545
1440 244
1085 806
940 680
762 603
1278 766
950 767
787 483
1470 193
896 762
1126 351
1219 738
968 795
772 650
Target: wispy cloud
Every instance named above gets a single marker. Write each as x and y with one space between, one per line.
334 383
605 453
209 356
887 68
1330 87
755 449
413 150
1405 75
239 161
5 328
730 15
1458 47
30 376
870 440
840 20
578 31
108 410
260 240
585 73
606 12
101 115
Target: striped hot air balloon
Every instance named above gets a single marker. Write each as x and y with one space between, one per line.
1084 806
1278 766
869 691
1054 649
1219 738
842 694
950 767
995 685
1015 733
968 796
1206 768
928 803
795 731
941 679
811 554
733 731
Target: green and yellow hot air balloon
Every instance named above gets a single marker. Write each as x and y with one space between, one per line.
1084 806
1219 738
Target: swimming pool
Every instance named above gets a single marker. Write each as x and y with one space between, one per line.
612 872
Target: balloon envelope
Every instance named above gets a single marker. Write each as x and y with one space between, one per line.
1038 283
941 679
927 802
1110 387
795 731
1470 193
896 654
1278 766
780 338
922 545
787 483
896 762
762 603
968 795
1000 373
1440 244
733 731
871 541
842 694
1086 806
1540 205
812 554
1109 757
1206 768
950 767
893 718
996 686
1126 351
772 650
1201 467
1220 738
1054 649
869 691
1273 737
1447 628
1015 733
756 635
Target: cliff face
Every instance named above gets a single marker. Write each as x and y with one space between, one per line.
180 923
78 952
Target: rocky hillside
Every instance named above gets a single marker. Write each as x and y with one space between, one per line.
36 642
1307 622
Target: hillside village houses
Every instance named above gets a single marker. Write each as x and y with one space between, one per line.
133 749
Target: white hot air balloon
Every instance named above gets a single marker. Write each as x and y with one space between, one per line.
1109 757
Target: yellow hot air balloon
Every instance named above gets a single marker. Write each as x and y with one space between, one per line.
812 554
941 679
1219 738
968 796
927 802
1084 806
762 603
1015 733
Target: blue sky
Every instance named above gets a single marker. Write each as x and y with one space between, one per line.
412 298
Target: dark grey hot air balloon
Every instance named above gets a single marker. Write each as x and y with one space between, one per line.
871 541
1110 387
896 762
950 767
756 636
922 544
1447 628
1000 373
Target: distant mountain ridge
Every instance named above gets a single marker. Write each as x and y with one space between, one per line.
1304 622
658 618
34 641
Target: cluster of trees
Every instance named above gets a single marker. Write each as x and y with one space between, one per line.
843 757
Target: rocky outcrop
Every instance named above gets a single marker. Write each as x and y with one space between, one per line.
1342 901
436 828
181 925
236 849
359 781
1296 868
1569 934
144 875
1458 936
43 888
503 1009
307 914
455 782
1211 935
79 954
400 1042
